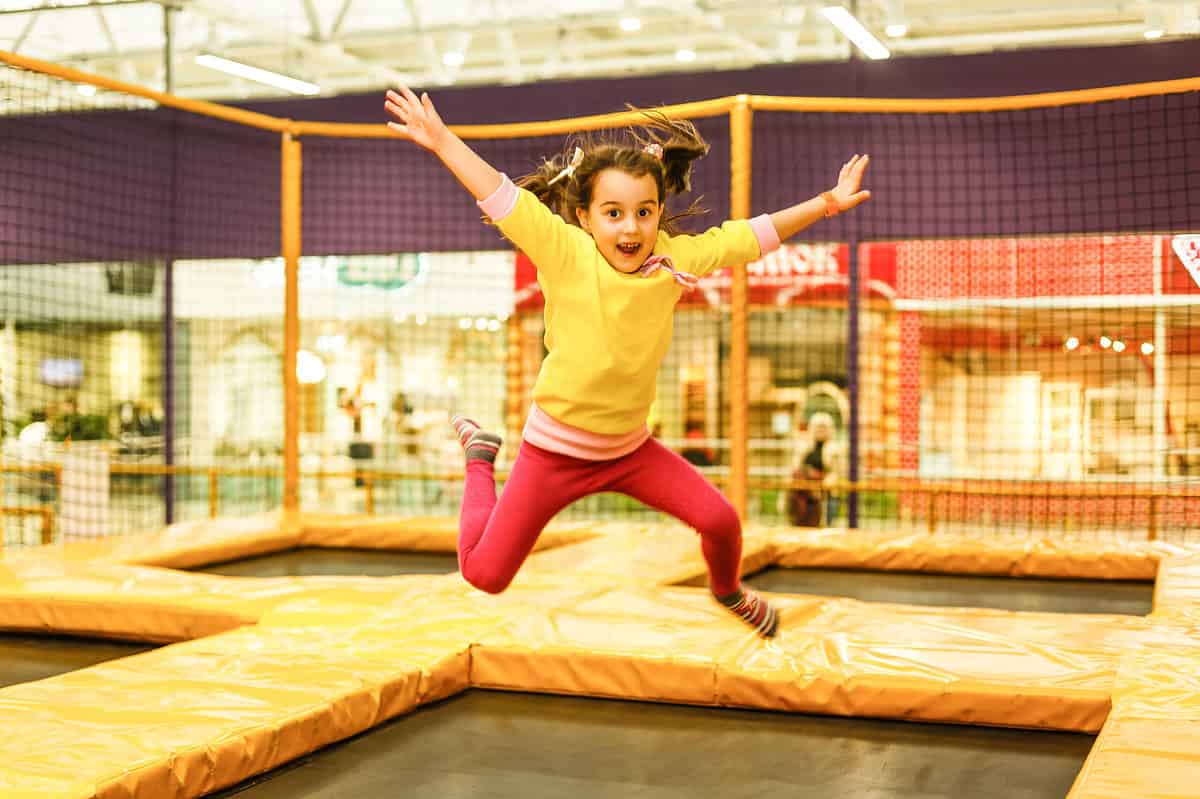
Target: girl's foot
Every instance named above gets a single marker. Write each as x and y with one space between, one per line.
478 443
752 609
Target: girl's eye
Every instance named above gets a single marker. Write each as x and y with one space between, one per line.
612 212
644 212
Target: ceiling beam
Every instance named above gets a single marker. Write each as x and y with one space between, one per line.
340 19
322 54
314 21
45 6
28 29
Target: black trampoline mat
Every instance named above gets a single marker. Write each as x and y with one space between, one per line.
957 590
25 658
313 561
516 746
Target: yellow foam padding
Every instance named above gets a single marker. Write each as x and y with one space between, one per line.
1177 589
198 716
997 554
643 552
185 544
834 656
422 534
195 543
293 663
1150 745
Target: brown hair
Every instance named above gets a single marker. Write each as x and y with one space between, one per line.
681 145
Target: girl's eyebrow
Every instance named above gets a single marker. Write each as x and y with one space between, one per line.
643 202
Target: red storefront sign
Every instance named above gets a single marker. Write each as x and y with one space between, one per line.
794 274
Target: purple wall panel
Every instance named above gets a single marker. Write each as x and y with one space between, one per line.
228 190
79 187
384 196
983 75
95 186
1113 167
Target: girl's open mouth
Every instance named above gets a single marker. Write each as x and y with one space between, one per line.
628 249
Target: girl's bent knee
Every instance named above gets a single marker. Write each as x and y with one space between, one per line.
490 581
722 524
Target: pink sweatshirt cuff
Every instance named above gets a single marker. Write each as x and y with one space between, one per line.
764 231
503 200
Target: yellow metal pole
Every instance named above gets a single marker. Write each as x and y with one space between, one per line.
291 320
369 498
1154 508
214 494
740 146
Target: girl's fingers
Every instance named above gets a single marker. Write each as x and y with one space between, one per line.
396 110
398 128
408 95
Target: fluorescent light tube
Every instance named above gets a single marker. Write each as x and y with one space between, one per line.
853 30
293 85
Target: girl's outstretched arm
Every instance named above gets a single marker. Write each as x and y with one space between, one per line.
843 197
416 119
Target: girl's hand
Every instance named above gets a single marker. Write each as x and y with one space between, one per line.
416 119
846 192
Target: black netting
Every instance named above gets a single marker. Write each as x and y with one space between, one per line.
1019 349
106 376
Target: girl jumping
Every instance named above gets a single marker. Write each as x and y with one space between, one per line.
611 268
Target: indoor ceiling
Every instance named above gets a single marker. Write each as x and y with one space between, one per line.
344 46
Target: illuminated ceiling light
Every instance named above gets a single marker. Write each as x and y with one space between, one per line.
421 319
1118 346
631 24
1155 26
86 89
481 324
453 58
1105 342
685 55
264 76
853 30
310 369
897 22
1147 348
464 323
1071 343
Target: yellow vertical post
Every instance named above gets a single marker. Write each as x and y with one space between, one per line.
214 494
1154 507
290 211
740 139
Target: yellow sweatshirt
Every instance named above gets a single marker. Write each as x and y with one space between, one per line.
606 331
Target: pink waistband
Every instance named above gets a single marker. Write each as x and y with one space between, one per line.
543 430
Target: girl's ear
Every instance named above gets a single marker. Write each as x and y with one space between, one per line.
581 215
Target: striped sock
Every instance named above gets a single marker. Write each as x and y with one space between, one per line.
754 610
478 443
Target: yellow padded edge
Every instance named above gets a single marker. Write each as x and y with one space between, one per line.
581 618
1014 556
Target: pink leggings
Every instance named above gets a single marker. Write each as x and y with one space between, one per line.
495 537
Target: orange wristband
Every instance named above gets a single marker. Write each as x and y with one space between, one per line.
831 206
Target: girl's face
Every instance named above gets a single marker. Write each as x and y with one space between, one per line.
623 218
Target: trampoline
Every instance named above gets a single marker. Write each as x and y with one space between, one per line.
313 561
515 745
25 658
956 590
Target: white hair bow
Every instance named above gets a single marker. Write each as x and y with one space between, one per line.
569 169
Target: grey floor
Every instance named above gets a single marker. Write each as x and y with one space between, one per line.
25 658
309 562
954 590
516 746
